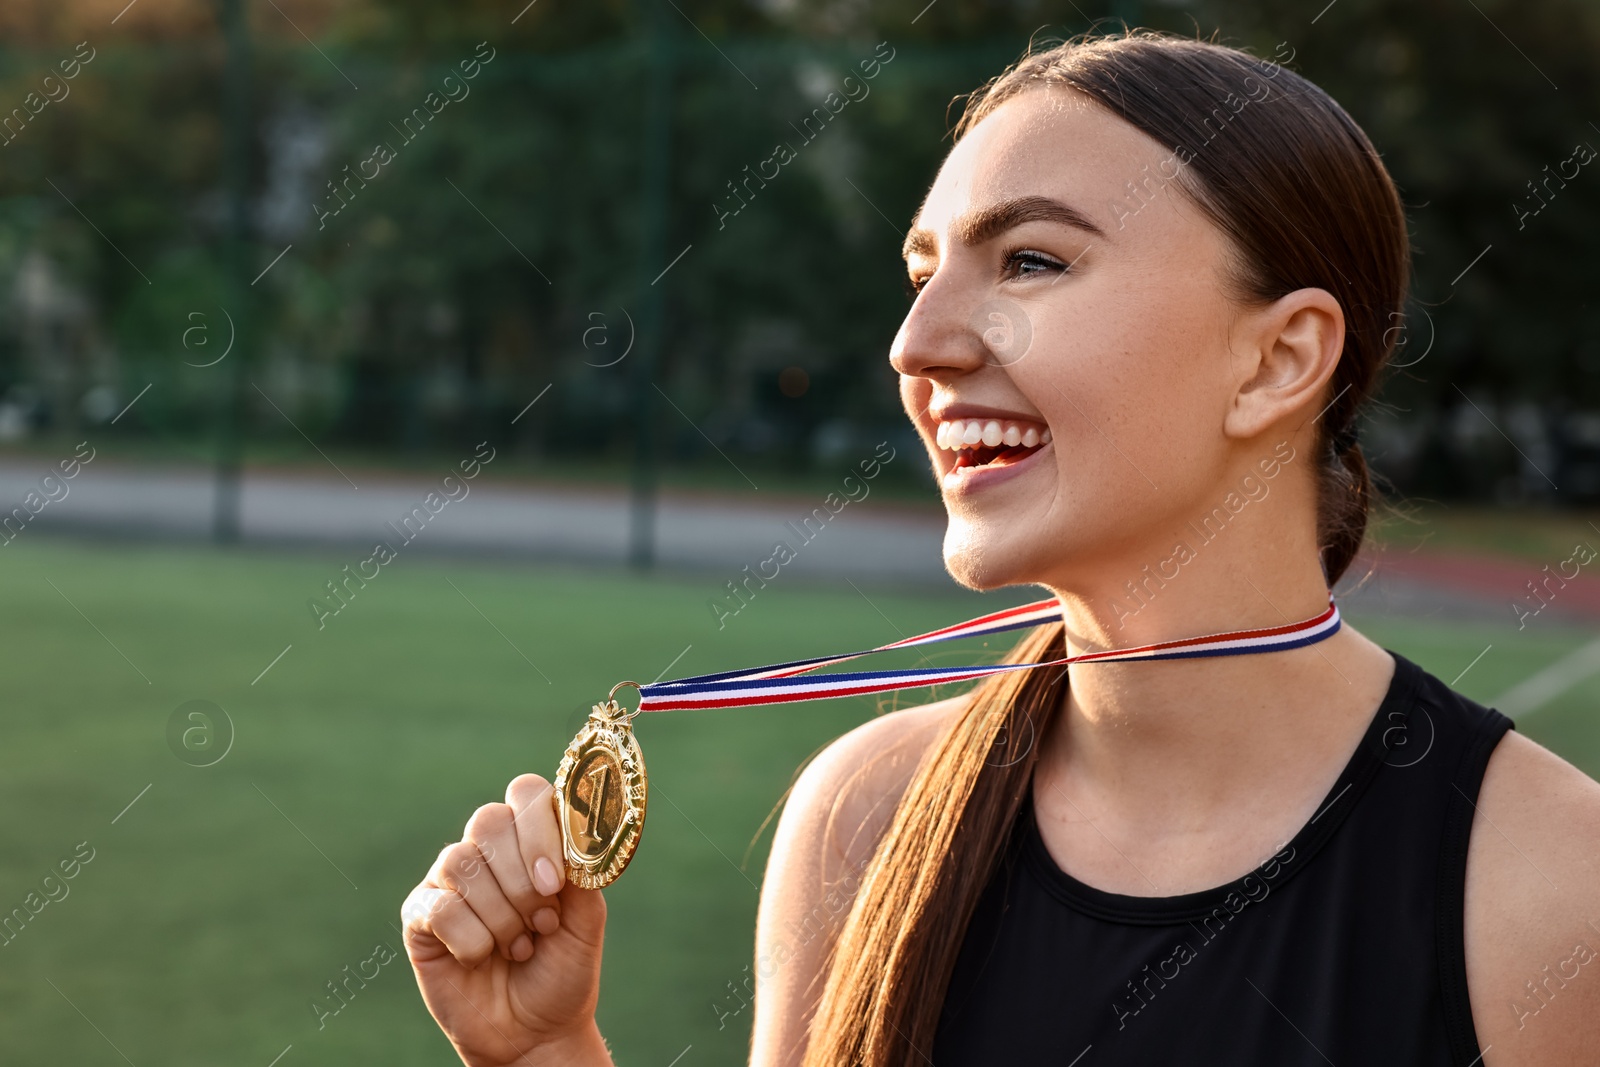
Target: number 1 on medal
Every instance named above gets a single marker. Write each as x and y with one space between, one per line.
597 797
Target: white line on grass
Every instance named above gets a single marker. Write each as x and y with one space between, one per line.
1535 692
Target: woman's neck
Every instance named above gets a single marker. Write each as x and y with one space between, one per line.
1200 768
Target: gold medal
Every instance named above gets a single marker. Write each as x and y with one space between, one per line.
600 793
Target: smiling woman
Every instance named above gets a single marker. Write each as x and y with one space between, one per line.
1077 870
1007 905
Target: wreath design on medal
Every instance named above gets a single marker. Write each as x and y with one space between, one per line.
600 794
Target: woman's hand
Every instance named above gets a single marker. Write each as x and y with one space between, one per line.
506 951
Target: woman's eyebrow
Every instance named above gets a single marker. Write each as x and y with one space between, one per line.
988 223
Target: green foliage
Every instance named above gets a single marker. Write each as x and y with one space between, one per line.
474 268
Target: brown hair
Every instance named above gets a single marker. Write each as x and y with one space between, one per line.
1280 168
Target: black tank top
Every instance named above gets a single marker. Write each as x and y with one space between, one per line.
1345 947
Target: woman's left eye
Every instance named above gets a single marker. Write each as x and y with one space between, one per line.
1026 263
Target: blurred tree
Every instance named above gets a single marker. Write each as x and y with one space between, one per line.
466 272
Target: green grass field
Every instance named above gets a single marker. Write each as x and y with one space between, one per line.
216 908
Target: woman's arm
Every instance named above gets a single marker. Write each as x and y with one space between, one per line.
837 812
1533 910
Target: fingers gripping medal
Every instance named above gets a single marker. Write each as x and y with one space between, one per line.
600 792
600 788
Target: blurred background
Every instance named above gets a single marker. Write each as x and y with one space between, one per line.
271 269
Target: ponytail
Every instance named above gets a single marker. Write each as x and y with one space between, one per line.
886 982
1344 500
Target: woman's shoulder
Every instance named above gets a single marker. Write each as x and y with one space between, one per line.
1533 907
847 795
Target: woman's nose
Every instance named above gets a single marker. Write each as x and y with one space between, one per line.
940 337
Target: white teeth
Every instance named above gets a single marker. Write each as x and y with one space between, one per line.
958 434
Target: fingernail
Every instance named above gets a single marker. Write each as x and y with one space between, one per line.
546 921
522 947
546 879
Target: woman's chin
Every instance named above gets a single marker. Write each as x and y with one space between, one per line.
980 565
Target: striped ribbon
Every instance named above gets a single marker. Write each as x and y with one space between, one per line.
786 683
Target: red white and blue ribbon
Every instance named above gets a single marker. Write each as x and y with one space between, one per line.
785 683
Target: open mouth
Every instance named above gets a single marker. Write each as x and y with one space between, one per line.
990 442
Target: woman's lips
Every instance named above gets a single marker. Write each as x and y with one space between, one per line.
986 448
961 480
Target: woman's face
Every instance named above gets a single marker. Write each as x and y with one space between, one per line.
1068 294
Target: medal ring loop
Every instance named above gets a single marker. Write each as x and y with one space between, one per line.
613 695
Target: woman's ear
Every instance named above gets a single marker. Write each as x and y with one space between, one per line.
1293 345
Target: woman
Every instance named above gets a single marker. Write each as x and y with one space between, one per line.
1155 281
